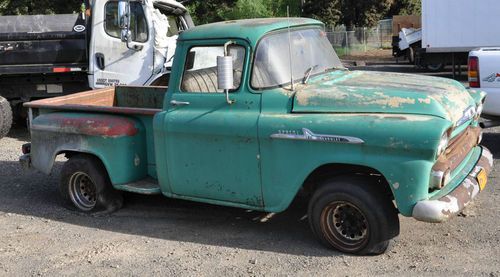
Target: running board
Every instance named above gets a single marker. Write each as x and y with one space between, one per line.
147 186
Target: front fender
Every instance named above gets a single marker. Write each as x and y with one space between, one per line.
119 142
401 147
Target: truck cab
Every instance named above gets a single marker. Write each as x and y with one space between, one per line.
154 26
260 112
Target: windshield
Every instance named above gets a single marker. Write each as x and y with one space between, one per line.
312 53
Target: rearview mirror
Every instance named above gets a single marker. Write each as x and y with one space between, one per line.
225 72
124 19
225 78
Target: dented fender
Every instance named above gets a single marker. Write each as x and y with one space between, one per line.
118 141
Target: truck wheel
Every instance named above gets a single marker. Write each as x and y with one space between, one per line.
435 67
85 186
352 216
410 54
5 117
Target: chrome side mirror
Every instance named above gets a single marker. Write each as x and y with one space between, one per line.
124 19
225 72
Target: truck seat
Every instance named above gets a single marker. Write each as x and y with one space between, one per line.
201 80
205 80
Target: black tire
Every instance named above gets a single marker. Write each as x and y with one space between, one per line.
85 186
435 67
5 117
352 216
410 55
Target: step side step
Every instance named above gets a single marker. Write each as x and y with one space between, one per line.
145 186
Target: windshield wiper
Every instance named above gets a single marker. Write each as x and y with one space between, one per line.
308 73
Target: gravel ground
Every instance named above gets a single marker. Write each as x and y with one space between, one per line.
159 236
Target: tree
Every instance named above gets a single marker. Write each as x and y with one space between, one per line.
262 8
208 11
405 7
351 13
328 11
364 13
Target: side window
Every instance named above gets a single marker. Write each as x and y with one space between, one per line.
138 23
200 73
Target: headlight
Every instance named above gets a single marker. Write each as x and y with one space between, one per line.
443 144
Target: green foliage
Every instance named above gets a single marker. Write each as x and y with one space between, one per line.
18 7
358 13
328 11
263 8
348 12
332 12
208 11
219 10
405 7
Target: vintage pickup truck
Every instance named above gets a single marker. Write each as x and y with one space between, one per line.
259 112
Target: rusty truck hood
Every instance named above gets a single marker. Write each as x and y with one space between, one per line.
381 92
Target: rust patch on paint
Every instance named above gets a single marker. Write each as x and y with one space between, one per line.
104 125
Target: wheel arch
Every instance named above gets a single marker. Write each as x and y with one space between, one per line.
305 186
321 173
332 170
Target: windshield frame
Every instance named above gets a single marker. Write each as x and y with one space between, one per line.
289 83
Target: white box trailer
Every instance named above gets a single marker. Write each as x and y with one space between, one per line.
450 29
459 25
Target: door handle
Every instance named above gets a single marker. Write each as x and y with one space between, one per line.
179 103
99 60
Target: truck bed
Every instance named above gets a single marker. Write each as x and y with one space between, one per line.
113 100
64 120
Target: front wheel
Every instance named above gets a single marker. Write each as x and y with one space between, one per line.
85 186
353 216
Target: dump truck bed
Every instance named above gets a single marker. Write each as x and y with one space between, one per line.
32 44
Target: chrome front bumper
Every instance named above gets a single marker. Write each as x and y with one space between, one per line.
439 210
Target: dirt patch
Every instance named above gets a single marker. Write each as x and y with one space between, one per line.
158 236
371 55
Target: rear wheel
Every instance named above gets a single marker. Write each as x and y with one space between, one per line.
351 215
85 186
5 117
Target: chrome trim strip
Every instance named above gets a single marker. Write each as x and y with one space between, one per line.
310 136
468 114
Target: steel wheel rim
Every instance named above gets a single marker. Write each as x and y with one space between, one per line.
345 226
82 191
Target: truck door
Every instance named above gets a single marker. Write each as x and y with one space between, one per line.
111 61
212 146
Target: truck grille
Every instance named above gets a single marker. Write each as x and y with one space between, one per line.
454 155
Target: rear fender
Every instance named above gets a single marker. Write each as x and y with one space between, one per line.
119 142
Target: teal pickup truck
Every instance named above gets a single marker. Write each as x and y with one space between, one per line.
259 112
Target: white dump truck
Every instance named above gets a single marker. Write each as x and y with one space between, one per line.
43 56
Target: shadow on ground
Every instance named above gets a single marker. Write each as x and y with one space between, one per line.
34 194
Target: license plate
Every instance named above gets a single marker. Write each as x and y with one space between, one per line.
482 179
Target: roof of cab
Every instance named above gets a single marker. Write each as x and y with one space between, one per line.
250 29
170 3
